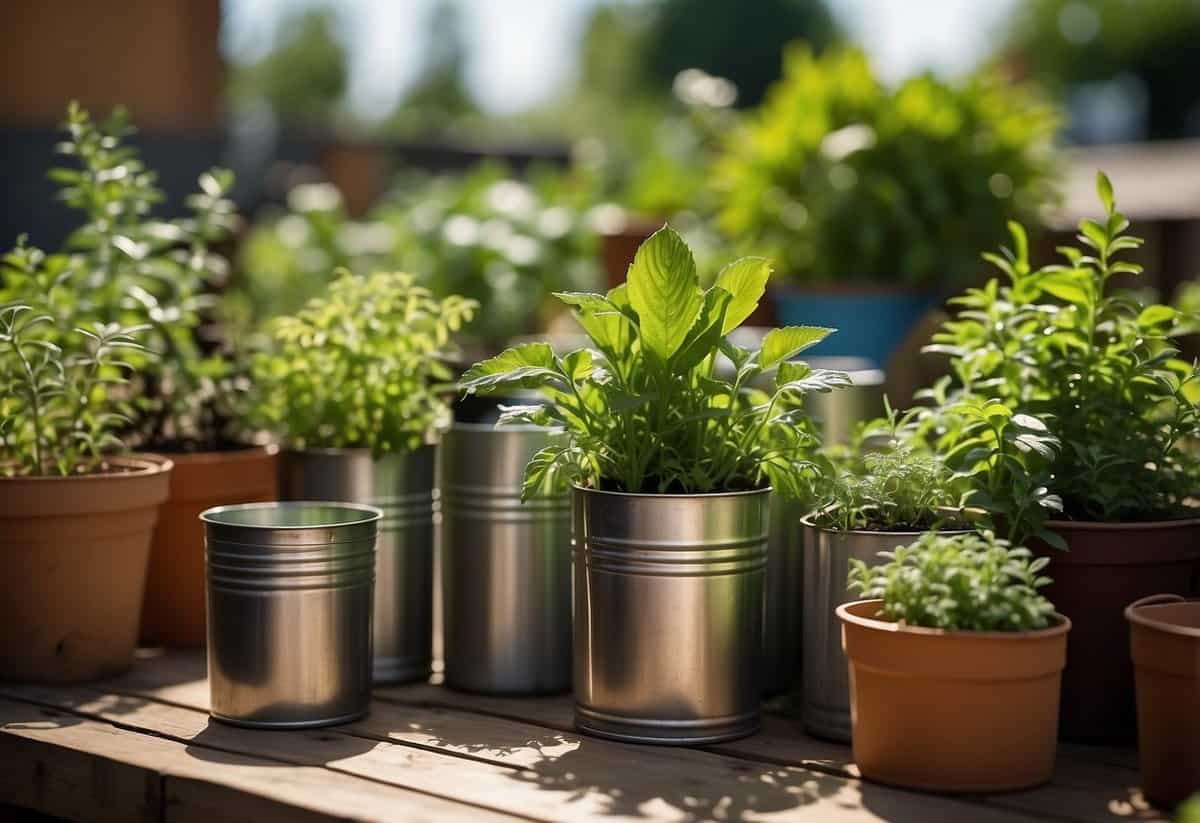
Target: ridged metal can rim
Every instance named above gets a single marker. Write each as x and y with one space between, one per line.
369 514
673 496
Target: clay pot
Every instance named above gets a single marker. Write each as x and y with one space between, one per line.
619 245
1165 643
1110 565
952 711
73 554
173 611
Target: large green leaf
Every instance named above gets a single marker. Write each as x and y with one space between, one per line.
664 290
530 365
745 280
705 335
787 342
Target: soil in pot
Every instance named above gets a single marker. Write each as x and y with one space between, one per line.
173 613
73 556
952 711
1165 645
1109 566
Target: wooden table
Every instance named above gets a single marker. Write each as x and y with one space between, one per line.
143 748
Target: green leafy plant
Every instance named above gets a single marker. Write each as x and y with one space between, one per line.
363 367
888 486
1086 382
838 177
124 266
507 242
59 414
961 582
645 411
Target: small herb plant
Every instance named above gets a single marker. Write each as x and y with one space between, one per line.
645 411
124 266
59 414
963 582
1087 383
895 487
363 367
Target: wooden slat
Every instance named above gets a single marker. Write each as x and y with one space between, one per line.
65 765
518 768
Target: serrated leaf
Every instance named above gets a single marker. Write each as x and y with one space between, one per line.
785 343
746 280
705 336
530 365
664 290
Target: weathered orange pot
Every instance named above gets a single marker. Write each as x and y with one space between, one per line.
952 711
73 554
173 612
1164 635
1109 566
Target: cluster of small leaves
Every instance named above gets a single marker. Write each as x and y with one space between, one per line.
124 266
1055 348
363 367
962 582
839 176
883 482
645 411
58 411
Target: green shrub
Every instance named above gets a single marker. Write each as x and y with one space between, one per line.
962 582
647 412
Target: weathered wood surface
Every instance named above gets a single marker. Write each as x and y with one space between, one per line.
143 748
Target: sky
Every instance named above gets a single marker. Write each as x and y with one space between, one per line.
521 50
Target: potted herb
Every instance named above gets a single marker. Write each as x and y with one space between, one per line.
872 199
75 519
671 467
123 265
955 665
1058 344
870 499
354 384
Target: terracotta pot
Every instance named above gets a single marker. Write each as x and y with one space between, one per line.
1110 565
619 245
73 553
173 611
952 711
1165 643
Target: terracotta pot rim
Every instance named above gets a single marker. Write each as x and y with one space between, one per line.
1140 612
680 496
846 614
142 464
1146 525
913 533
245 454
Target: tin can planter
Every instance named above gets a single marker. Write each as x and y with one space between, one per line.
1108 566
402 486
1165 645
506 566
173 611
782 596
668 614
73 555
826 700
289 612
952 711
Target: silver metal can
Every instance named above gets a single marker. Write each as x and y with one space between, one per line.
289 612
668 614
402 486
506 566
782 596
826 703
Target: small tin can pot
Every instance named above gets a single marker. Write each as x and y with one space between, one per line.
289 612
827 555
782 597
506 566
668 614
402 486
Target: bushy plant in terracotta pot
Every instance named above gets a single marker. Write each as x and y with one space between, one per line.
671 466
955 665
1055 349
355 385
124 265
76 517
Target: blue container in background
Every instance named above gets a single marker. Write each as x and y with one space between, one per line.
869 323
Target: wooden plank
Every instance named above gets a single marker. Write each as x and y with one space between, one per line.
519 768
63 764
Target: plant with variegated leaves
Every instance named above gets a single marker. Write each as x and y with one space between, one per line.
645 410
